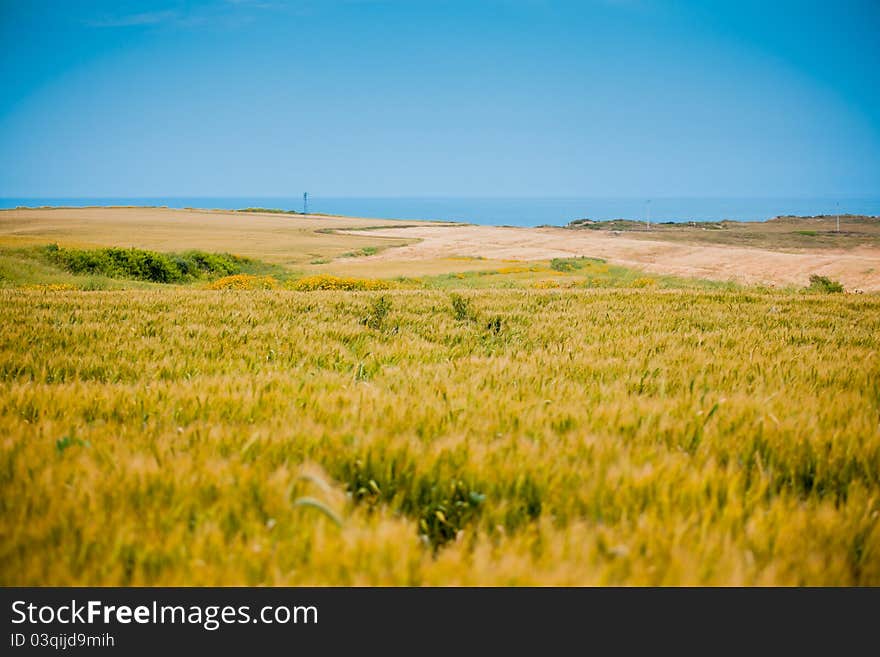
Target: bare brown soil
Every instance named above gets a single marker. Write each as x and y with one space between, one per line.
857 268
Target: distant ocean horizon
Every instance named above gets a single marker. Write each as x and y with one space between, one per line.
503 211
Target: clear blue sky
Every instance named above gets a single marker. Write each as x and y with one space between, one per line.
443 97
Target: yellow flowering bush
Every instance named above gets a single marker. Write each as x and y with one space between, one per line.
327 282
644 282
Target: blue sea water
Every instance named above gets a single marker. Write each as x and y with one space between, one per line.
507 211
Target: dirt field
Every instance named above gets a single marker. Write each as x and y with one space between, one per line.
277 238
857 269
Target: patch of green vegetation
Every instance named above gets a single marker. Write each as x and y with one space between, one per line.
571 264
583 272
610 224
115 268
461 308
143 265
24 267
824 285
378 311
365 251
269 210
260 268
808 233
67 442
442 505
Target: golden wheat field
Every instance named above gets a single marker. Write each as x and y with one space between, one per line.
182 436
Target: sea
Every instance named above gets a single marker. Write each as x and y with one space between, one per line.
504 211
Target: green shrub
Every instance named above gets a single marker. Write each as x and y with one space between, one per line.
824 284
378 311
442 506
268 210
495 325
366 251
143 265
461 308
213 264
571 264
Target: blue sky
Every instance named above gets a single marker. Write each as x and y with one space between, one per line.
439 98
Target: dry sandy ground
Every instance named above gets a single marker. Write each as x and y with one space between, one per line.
279 238
857 269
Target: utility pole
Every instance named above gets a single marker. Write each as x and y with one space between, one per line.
648 215
305 202
838 216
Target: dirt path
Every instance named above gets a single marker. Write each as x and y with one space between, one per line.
857 269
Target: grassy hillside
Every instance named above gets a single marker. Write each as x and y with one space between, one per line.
566 436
